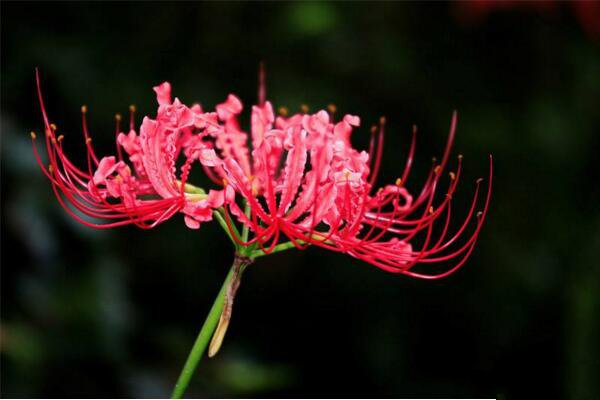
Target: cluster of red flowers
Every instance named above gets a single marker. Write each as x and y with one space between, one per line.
300 179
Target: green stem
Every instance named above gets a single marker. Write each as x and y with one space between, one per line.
245 229
223 223
202 340
276 249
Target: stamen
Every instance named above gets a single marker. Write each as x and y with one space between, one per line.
331 108
399 182
304 108
33 135
452 175
132 110
83 109
283 111
262 87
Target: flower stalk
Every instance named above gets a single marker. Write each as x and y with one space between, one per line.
215 325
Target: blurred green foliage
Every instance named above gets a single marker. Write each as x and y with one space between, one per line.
114 313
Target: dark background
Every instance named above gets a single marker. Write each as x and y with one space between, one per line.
114 313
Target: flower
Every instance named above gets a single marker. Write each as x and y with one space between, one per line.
301 179
148 192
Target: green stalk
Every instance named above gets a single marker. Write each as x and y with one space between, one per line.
245 229
221 220
202 340
276 249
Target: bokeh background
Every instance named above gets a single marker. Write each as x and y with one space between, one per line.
113 313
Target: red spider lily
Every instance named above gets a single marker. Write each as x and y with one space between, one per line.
309 184
301 179
148 194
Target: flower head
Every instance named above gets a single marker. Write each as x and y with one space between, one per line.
300 179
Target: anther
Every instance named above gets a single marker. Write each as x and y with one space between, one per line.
433 160
382 120
479 214
452 175
331 108
437 170
431 210
50 168
399 182
118 117
53 127
478 181
283 111
304 108
33 135
460 156
83 109
132 108
374 129
88 140
60 138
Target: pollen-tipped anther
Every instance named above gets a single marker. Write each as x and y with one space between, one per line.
83 109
